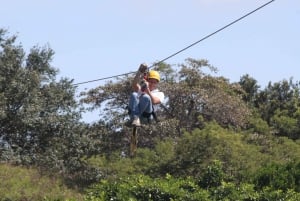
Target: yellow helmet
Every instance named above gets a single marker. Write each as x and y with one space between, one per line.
154 74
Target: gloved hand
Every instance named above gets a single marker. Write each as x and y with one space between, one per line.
144 85
143 68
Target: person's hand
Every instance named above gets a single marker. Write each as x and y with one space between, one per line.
144 85
143 68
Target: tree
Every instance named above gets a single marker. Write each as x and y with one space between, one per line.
279 176
33 106
279 105
250 86
200 96
39 116
213 176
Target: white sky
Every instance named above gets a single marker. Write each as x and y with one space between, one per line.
94 39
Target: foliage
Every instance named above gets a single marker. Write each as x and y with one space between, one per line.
218 140
250 87
258 125
200 148
212 155
40 117
285 123
192 98
269 194
279 105
279 177
20 183
199 94
213 176
141 187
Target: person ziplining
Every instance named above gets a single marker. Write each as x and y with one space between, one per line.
142 100
144 96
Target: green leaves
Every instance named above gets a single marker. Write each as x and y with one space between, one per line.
277 176
39 116
278 105
141 187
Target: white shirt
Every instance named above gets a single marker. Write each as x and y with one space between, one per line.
160 95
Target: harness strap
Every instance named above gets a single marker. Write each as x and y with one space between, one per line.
154 115
146 114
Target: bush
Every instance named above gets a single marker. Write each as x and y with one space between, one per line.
141 187
279 177
27 184
213 176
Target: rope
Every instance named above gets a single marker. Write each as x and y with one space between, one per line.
191 45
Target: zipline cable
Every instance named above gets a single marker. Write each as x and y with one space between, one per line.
191 45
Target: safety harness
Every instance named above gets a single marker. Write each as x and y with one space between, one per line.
146 115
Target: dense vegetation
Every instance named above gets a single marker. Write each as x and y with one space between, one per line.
216 140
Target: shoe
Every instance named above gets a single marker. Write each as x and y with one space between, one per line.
128 123
136 122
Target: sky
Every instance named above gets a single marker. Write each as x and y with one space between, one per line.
95 39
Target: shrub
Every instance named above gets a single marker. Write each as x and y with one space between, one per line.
278 177
141 187
27 184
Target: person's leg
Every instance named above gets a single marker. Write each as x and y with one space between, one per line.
145 104
134 105
134 108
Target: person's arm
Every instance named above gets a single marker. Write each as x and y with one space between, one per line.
135 83
154 99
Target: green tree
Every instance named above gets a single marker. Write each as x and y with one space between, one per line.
39 116
142 187
213 176
278 105
198 94
279 177
251 87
